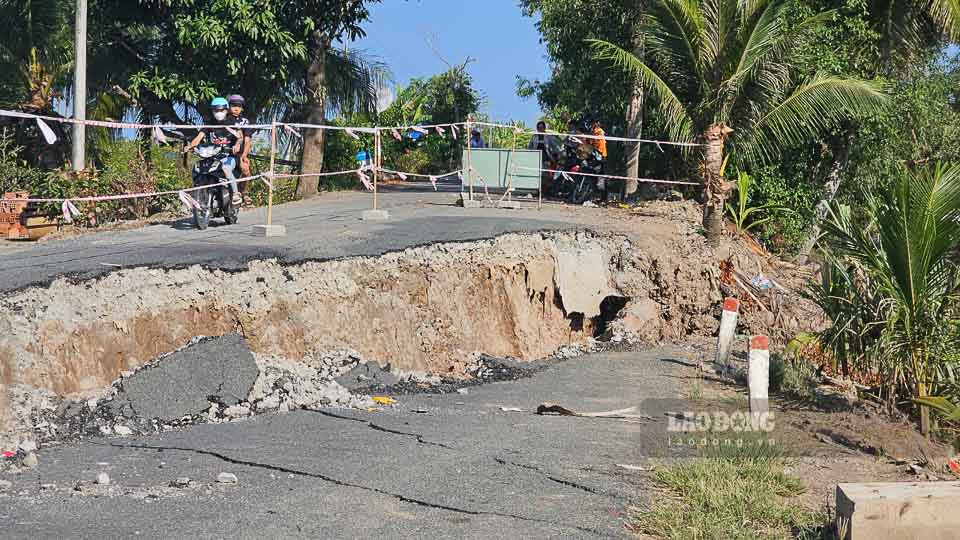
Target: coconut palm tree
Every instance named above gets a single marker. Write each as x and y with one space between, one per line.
904 30
354 80
720 72
36 55
908 252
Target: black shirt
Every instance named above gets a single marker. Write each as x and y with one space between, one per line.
228 135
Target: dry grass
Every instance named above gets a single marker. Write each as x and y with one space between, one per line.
729 493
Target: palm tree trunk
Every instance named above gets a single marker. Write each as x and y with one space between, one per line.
313 139
841 154
715 189
924 412
634 129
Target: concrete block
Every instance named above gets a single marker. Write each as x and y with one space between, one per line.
466 202
375 215
898 511
269 230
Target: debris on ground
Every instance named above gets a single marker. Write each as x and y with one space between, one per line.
627 413
227 478
634 467
309 383
180 482
367 375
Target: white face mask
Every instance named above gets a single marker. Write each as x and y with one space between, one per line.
220 115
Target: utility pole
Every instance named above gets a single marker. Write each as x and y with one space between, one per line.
80 87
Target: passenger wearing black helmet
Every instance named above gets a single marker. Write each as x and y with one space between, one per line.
236 118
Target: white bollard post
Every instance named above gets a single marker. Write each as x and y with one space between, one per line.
728 331
758 377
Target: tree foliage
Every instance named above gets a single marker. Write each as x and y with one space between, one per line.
183 52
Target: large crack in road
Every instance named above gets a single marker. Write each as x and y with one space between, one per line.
377 427
342 483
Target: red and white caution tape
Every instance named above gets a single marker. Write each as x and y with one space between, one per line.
352 133
566 175
440 131
158 135
365 179
404 175
355 129
266 179
396 134
189 202
69 211
433 180
125 196
292 131
309 175
120 125
48 133
581 136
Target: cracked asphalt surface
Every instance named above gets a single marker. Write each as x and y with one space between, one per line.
450 465
328 227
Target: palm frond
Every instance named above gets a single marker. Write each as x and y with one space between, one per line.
720 24
354 81
673 31
766 39
811 108
677 119
946 13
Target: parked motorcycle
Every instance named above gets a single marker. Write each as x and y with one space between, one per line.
580 158
215 199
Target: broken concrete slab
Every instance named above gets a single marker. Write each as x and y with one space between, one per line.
366 376
583 280
269 231
375 215
466 202
220 369
898 510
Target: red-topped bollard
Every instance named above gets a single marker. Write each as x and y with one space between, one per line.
758 377
728 330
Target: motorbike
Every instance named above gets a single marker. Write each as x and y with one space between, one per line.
580 158
215 200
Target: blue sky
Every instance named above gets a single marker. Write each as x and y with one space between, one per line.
495 33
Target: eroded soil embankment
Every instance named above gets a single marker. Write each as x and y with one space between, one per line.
423 309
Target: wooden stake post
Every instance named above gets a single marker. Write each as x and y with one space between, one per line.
273 172
377 163
468 166
269 229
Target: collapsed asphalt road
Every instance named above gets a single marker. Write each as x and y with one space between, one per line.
451 465
325 228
